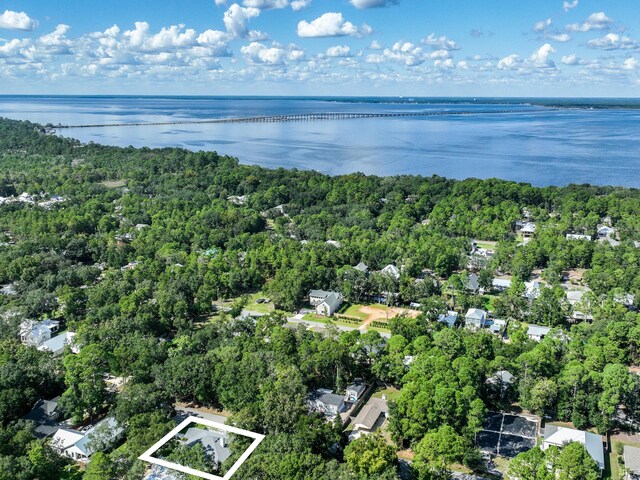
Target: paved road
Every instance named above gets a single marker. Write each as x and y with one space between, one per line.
184 412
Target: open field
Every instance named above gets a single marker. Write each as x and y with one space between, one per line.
114 183
390 392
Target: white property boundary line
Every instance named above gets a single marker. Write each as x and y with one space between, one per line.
148 455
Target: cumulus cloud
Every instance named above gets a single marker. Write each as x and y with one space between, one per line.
375 45
373 3
566 6
542 25
265 4
613 41
258 54
509 62
339 51
331 24
538 61
11 20
571 59
440 43
596 21
236 19
408 54
559 37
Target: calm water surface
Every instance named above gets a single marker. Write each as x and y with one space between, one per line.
539 143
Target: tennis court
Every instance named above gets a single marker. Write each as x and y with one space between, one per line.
507 435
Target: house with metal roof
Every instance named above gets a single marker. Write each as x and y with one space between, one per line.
362 267
631 457
370 416
330 304
475 318
36 333
56 344
215 443
79 445
537 332
560 436
391 271
324 401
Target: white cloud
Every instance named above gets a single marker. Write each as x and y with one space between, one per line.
265 4
510 62
11 20
566 6
542 25
570 59
373 3
13 48
375 45
331 24
630 64
258 54
541 56
444 64
297 5
236 18
339 51
596 21
559 37
441 43
612 41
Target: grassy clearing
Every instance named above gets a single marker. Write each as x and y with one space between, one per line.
114 183
312 317
502 464
259 307
390 392
486 244
354 311
489 302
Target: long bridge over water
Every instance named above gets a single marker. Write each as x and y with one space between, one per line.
300 117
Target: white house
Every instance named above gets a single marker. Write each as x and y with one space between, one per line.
606 231
79 446
392 271
528 230
501 284
537 332
532 289
355 391
57 344
362 267
632 462
475 318
326 402
36 333
560 436
325 303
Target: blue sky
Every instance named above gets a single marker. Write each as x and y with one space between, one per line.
321 47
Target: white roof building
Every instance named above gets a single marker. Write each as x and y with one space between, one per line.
560 436
79 445
537 332
57 344
392 271
449 319
575 236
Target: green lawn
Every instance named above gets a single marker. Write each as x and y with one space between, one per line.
488 245
390 392
312 317
114 183
259 307
354 311
489 302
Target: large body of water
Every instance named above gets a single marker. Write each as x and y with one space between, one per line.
543 142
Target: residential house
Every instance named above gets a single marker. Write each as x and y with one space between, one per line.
325 303
537 332
36 333
79 446
449 319
355 391
362 267
326 402
631 457
574 296
606 231
370 417
333 243
560 436
532 289
392 271
501 381
501 284
44 414
497 326
528 230
215 443
472 284
475 318
57 344
8 290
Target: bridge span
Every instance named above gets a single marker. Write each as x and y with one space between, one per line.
300 117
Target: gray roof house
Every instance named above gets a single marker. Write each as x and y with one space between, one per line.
632 462
392 271
475 318
362 267
56 344
560 436
326 402
45 415
537 332
330 304
215 443
472 283
316 297
369 416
